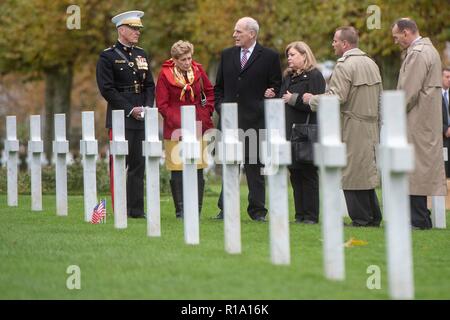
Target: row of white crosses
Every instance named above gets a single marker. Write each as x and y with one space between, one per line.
89 152
395 154
330 157
152 151
396 160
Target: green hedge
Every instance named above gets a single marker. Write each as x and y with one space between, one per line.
74 179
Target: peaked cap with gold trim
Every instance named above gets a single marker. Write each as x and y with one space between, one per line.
130 18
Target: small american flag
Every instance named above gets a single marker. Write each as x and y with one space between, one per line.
99 213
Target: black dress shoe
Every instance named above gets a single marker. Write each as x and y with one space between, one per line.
419 228
220 215
354 224
374 224
260 218
136 213
139 216
309 222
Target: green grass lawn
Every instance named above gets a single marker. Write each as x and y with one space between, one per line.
36 249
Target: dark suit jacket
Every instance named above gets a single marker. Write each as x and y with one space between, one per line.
296 111
446 141
247 86
310 81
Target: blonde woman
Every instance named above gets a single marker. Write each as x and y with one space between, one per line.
301 76
182 81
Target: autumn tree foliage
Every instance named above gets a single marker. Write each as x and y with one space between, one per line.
38 42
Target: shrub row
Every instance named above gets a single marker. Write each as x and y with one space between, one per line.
74 179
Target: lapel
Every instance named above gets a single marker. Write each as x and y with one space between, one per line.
237 58
255 55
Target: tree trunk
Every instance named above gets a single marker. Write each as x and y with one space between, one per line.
389 69
58 85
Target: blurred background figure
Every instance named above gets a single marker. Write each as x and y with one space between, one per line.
446 115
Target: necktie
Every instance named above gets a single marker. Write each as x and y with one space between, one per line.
446 98
445 95
244 58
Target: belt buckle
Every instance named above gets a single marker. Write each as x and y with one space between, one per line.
136 88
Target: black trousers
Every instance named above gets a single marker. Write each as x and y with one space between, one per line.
135 163
363 207
305 185
256 191
177 175
420 215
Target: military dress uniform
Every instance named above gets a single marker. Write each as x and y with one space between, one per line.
125 81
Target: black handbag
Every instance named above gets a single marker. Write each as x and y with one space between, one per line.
303 137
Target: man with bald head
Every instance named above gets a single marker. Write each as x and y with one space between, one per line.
245 71
420 79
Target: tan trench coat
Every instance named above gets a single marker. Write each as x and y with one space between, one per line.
420 78
356 81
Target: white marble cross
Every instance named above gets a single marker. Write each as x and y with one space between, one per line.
397 160
230 154
330 157
119 151
12 154
60 150
152 151
276 158
36 148
190 155
89 151
438 205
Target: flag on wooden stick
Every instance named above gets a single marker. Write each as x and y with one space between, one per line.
99 213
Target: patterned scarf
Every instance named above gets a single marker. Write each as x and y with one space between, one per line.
180 81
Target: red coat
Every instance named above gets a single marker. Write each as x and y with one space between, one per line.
169 103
